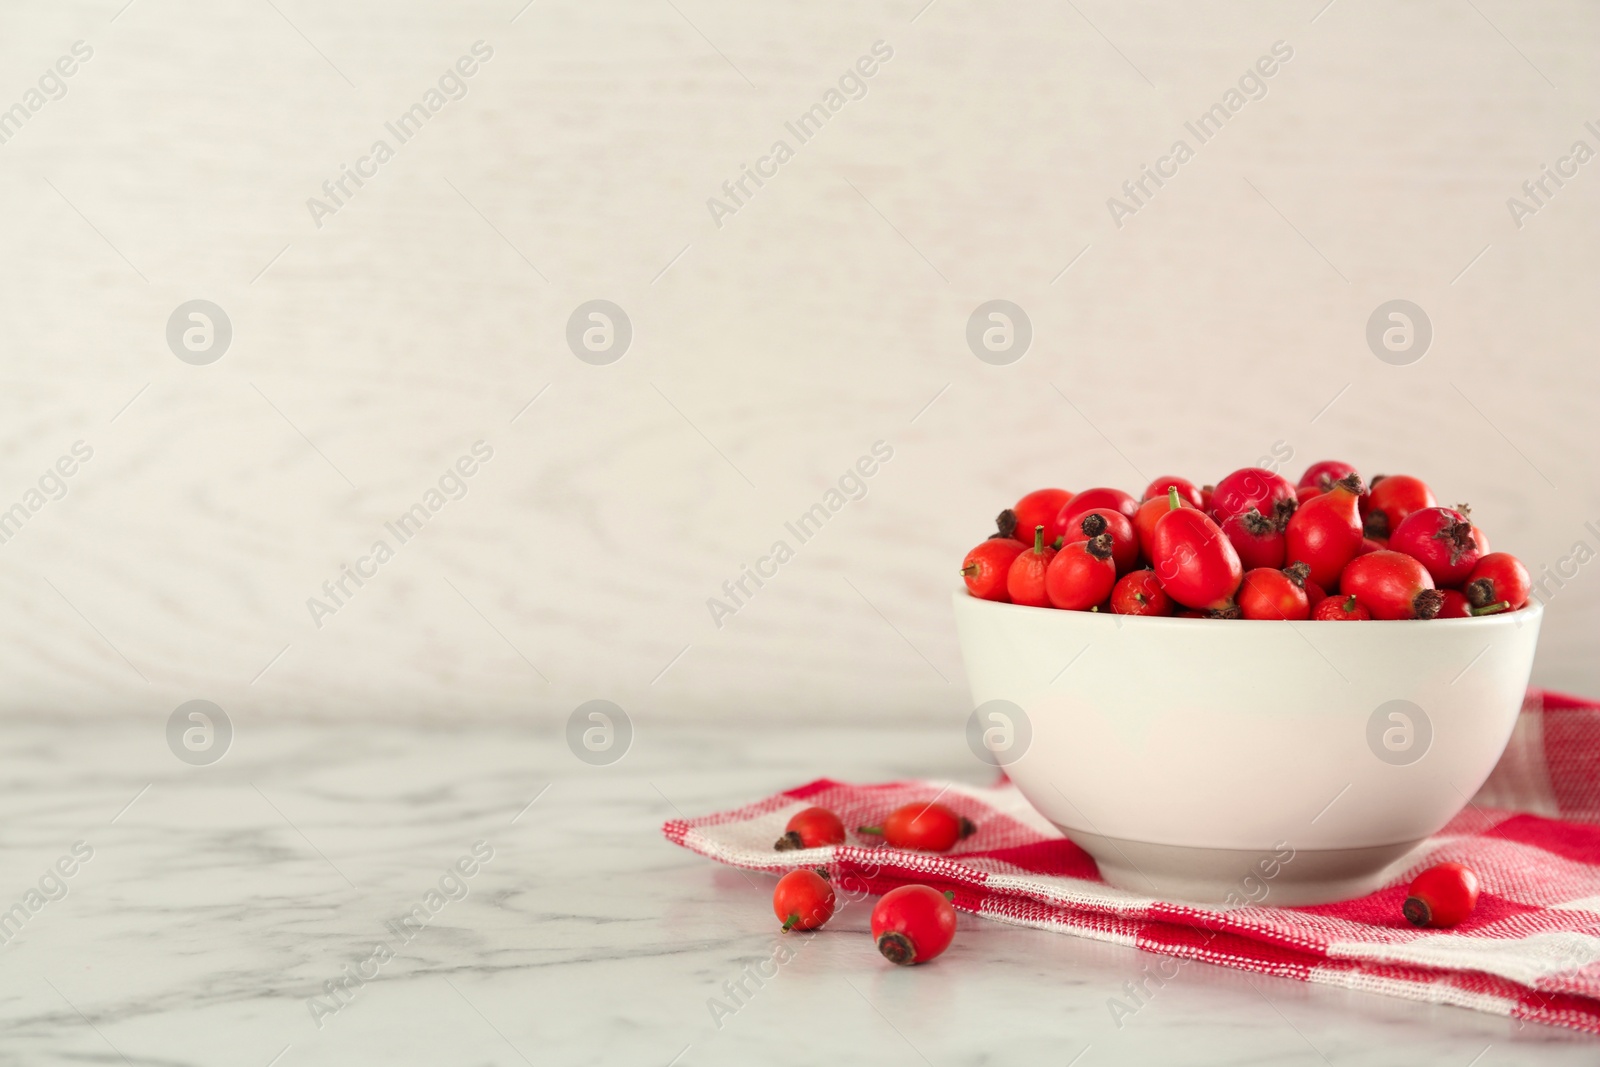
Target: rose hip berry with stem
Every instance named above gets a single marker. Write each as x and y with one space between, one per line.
1149 513
811 828
922 828
1193 560
1498 578
1157 490
986 568
1319 476
1441 896
1025 577
1392 498
1082 574
1267 593
1325 533
1138 593
1042 507
1441 540
1124 541
1258 540
913 924
1341 608
1253 487
1392 586
803 899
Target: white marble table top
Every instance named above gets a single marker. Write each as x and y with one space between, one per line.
218 900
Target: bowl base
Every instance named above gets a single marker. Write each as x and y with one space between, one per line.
1284 877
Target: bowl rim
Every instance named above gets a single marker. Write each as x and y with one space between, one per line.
1530 612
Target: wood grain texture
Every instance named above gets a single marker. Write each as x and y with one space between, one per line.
768 354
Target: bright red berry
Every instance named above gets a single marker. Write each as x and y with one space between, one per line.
1319 476
1267 593
1082 574
1372 544
811 828
1187 490
1391 585
1443 895
1441 540
1498 578
1099 497
1482 540
1340 608
1025 578
913 924
1314 593
1124 541
1042 507
1325 533
923 828
1149 513
1258 539
1302 493
986 567
1196 564
1253 487
803 899
1454 606
1391 499
1139 593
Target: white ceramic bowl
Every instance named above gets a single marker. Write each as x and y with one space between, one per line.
1189 757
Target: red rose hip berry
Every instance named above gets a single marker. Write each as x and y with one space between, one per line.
1157 490
803 899
1042 507
1258 539
1267 593
1441 896
922 828
1253 487
1325 533
1454 606
1319 476
1391 585
1391 499
1098 497
1195 563
913 924
1341 608
1124 541
1138 593
1441 540
1149 513
1025 577
1082 574
1499 578
811 828
986 568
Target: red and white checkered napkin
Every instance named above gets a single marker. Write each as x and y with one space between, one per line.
1531 950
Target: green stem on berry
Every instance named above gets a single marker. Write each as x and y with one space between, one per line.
788 923
1038 540
969 570
1173 503
1492 609
870 830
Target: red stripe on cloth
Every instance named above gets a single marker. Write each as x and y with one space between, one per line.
1060 857
1579 842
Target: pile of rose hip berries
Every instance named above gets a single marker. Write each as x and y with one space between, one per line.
1253 547
912 923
